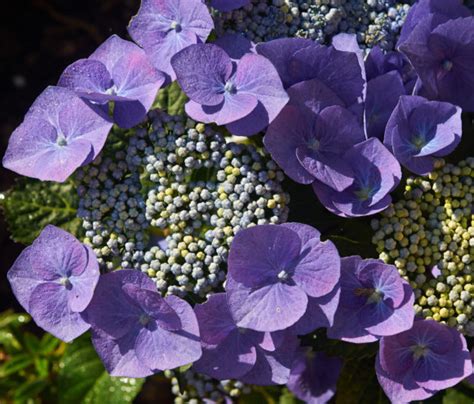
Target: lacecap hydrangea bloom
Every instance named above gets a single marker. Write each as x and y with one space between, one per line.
54 280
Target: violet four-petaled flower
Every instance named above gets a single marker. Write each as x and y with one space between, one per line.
117 71
136 331
54 280
245 95
420 130
417 363
233 352
376 174
273 270
228 5
59 134
165 27
375 301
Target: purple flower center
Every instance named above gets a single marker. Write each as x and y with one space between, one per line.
447 65
230 88
314 144
364 193
144 319
65 282
176 26
373 295
283 276
419 142
419 351
61 141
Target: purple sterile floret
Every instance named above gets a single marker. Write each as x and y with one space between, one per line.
383 93
164 27
230 351
60 133
235 45
417 363
54 280
446 9
443 57
273 271
117 71
228 5
309 146
226 94
375 301
314 376
420 130
135 331
376 174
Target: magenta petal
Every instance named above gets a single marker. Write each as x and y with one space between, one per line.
153 346
50 310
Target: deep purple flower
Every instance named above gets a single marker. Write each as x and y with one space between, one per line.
228 5
375 301
272 272
376 174
417 363
445 9
420 130
307 145
164 27
135 331
235 45
470 378
54 280
230 351
226 95
383 93
117 71
314 376
443 56
59 134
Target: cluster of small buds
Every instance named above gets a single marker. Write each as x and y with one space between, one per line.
375 22
196 388
429 237
171 205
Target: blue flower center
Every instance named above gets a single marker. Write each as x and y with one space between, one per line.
61 141
364 193
144 319
419 351
418 142
176 26
314 144
283 276
447 65
230 88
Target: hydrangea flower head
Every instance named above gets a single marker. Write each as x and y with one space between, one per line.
314 376
117 71
248 96
442 57
135 331
272 272
420 130
310 146
230 351
375 301
376 174
164 27
228 5
54 280
60 133
419 362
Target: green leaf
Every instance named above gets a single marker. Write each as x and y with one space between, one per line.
29 389
288 398
48 344
461 394
16 364
83 379
171 99
32 343
9 318
31 204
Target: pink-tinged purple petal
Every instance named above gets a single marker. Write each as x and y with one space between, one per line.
214 318
257 256
87 78
338 70
273 367
280 52
314 376
50 309
160 349
155 306
165 27
235 45
284 135
383 93
202 71
228 5
314 95
268 308
318 269
118 355
319 313
449 9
